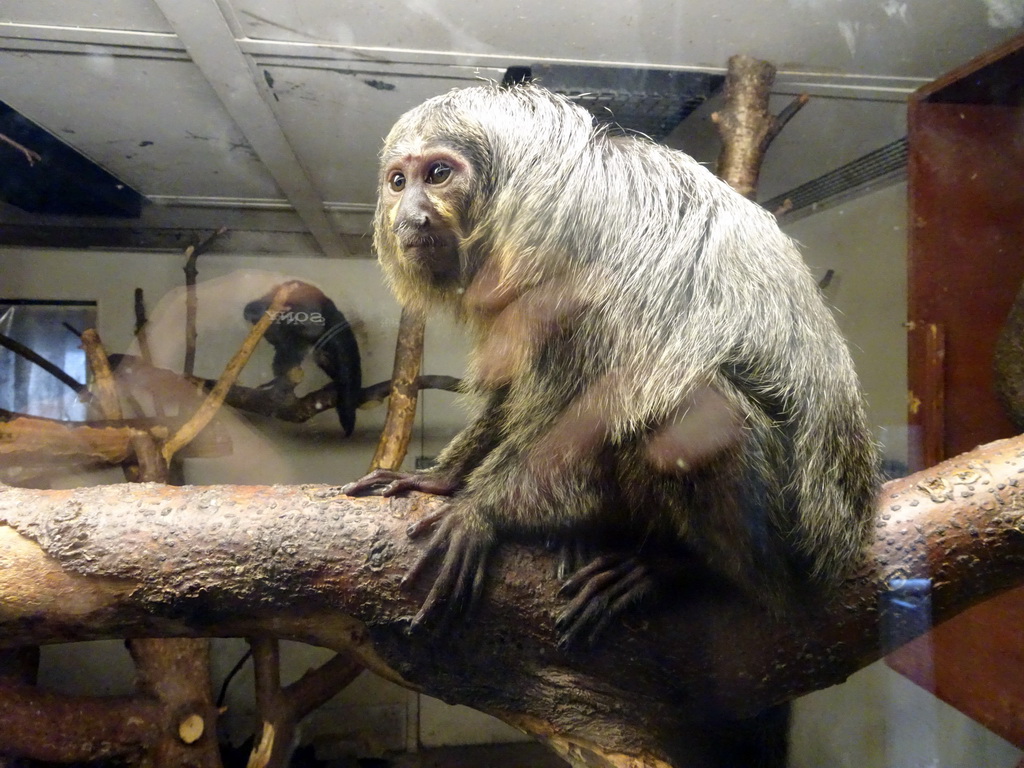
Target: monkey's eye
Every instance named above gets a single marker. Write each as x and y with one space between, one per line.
396 181
438 173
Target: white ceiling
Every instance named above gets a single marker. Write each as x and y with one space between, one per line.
267 116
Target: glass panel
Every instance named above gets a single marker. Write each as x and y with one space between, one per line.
46 329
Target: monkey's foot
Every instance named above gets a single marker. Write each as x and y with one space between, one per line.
464 551
388 482
602 590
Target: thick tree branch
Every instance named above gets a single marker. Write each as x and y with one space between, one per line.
308 564
745 125
51 726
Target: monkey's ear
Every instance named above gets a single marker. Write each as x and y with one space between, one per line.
516 76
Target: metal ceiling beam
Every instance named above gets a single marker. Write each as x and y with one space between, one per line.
46 38
208 39
473 66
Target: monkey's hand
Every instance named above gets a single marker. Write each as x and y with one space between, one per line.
388 482
464 543
602 590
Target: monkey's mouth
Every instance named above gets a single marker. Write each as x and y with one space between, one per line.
420 241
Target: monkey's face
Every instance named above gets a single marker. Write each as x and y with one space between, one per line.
422 216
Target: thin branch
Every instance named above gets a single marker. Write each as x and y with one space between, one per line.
320 685
379 392
31 156
103 386
219 391
192 253
780 120
140 327
34 357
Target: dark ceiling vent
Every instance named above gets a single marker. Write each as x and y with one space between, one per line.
61 181
648 101
884 166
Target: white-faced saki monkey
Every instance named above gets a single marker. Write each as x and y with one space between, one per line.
659 371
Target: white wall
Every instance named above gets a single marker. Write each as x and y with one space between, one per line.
864 241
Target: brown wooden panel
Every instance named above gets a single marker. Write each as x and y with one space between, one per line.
966 254
926 345
975 662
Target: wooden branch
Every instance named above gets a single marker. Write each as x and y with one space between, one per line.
141 335
116 561
282 709
320 685
192 254
394 440
215 398
37 440
103 387
30 440
34 357
176 673
149 465
787 114
31 156
60 728
33 440
300 409
745 125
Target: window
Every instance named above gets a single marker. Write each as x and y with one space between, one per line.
45 327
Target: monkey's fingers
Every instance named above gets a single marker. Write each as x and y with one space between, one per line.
424 483
389 482
426 524
374 483
630 597
606 593
571 556
472 555
583 576
459 583
437 546
414 572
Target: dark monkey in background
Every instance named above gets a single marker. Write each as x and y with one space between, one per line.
308 321
657 362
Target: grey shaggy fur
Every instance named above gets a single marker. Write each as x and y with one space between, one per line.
676 283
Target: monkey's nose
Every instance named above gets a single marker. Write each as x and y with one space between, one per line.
416 221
